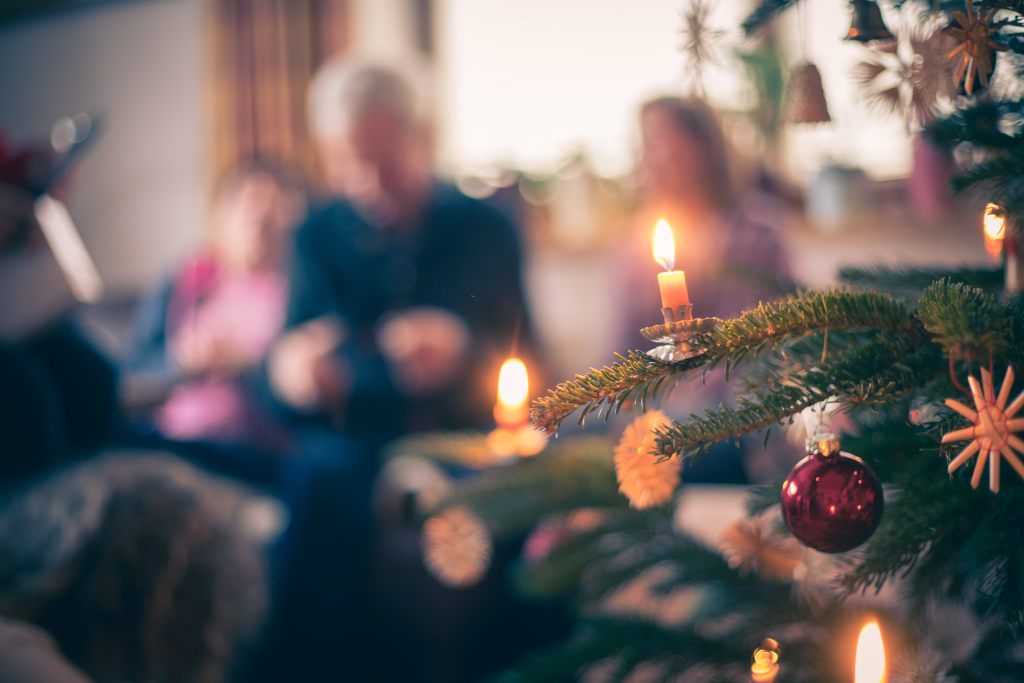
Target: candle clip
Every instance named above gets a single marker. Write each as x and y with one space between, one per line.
677 314
676 338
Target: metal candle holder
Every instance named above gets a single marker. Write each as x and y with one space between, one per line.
675 336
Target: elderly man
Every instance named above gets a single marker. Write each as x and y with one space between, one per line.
405 293
405 296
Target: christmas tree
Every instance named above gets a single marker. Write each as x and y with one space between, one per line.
922 363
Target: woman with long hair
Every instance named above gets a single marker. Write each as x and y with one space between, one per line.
728 241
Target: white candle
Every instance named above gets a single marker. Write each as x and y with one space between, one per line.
672 283
514 435
511 411
994 228
869 666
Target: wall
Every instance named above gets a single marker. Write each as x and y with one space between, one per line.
382 29
525 83
139 196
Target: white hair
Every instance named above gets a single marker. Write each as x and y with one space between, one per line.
343 89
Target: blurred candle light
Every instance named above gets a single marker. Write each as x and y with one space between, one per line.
514 434
765 665
869 666
994 225
513 387
672 283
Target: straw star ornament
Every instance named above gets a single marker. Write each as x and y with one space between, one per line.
644 479
973 56
991 435
700 41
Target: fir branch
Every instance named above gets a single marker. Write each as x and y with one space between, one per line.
763 497
948 540
751 415
563 569
635 377
911 282
771 324
997 129
958 5
575 474
622 643
981 124
560 572
463 449
877 372
965 320
685 561
1000 179
938 535
1016 6
640 377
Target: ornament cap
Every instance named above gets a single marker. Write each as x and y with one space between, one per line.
823 443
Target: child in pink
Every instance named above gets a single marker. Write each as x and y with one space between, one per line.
208 331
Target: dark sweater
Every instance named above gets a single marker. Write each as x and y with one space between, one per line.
463 256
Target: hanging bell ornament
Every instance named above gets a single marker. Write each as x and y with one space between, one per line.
867 25
805 97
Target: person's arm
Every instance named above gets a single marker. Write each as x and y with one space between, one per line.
148 370
148 348
333 367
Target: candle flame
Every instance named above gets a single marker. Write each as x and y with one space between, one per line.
664 245
513 383
994 222
870 663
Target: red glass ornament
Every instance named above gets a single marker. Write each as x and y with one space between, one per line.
832 501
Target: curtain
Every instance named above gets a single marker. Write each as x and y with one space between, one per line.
264 53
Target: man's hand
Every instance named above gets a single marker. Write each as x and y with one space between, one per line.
426 348
303 371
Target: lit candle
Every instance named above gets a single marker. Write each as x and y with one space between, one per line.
672 282
994 225
870 663
514 435
765 665
511 411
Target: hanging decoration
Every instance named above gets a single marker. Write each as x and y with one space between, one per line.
699 41
644 479
457 547
751 544
831 500
867 25
805 97
975 53
909 77
992 429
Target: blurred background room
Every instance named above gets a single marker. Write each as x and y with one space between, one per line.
296 230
